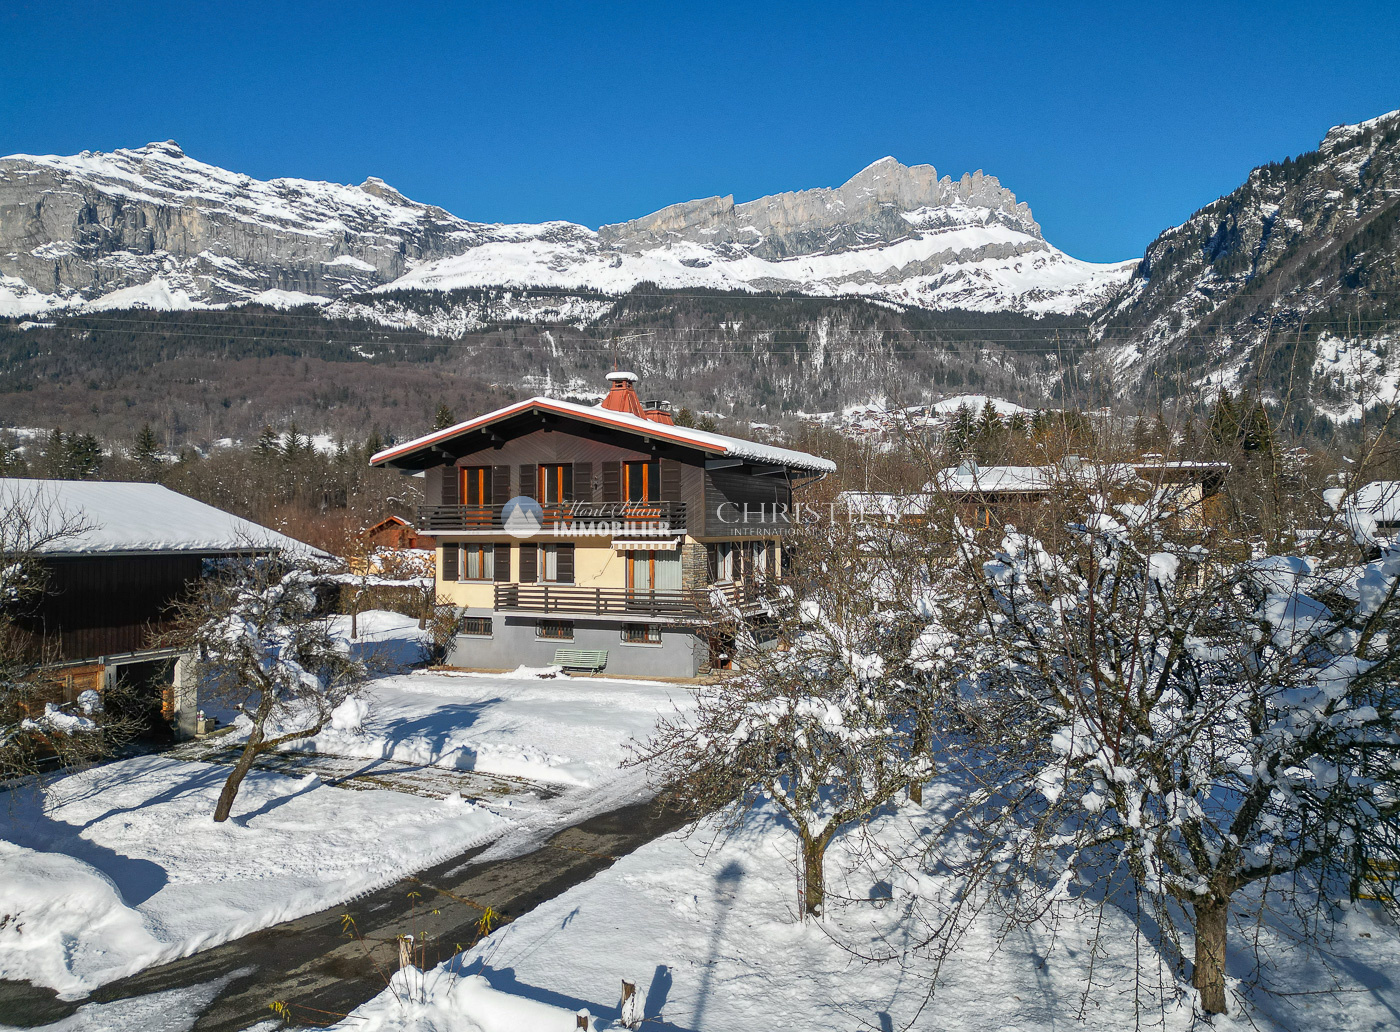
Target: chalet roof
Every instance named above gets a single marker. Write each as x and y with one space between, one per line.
718 445
123 517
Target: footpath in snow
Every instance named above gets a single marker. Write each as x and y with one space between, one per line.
113 869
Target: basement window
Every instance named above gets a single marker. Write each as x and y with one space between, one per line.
641 634
555 630
476 626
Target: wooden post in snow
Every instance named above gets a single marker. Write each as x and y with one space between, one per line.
581 1019
405 951
631 1005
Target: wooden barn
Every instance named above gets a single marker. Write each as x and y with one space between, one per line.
110 586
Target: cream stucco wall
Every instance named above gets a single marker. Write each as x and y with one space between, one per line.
596 565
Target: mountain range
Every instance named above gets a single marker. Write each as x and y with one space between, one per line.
898 284
155 227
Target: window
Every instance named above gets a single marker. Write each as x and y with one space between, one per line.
723 562
478 562
641 482
556 564
555 630
556 484
476 626
641 634
476 485
654 570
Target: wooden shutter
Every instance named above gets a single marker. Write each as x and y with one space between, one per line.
528 486
612 481
566 563
566 489
451 556
670 480
529 564
583 481
712 561
500 485
502 562
451 485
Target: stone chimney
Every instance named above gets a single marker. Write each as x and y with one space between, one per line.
622 397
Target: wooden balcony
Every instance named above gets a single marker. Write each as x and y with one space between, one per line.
702 606
591 519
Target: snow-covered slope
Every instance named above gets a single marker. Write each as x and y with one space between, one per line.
1287 286
154 228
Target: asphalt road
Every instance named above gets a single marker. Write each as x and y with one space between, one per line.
321 972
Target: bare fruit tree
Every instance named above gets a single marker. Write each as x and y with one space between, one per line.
1198 718
263 648
817 717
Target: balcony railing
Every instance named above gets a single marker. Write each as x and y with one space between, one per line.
704 604
581 518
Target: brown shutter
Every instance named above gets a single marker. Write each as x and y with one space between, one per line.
566 489
583 481
612 481
528 485
451 555
712 561
566 563
670 480
502 562
451 485
500 485
529 564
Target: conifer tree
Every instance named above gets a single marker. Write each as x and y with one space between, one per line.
443 418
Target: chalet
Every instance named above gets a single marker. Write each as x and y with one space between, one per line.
110 586
600 536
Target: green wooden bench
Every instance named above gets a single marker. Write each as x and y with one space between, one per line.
591 660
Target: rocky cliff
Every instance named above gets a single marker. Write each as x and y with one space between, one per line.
83 227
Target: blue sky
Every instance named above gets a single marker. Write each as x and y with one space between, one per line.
1113 121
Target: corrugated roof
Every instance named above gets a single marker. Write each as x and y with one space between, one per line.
120 516
719 444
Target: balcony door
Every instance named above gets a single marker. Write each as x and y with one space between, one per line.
649 571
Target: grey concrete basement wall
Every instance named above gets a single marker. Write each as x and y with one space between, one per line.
513 643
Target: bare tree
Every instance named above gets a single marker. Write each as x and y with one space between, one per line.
817 717
1176 707
263 648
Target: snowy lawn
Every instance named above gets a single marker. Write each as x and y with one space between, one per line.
122 866
712 941
110 870
562 731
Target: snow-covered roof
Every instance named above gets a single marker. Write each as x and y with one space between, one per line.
970 478
118 517
720 445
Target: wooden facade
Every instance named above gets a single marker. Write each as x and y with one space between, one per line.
99 605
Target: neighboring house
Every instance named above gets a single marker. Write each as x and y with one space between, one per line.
395 532
605 528
109 588
990 496
394 549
